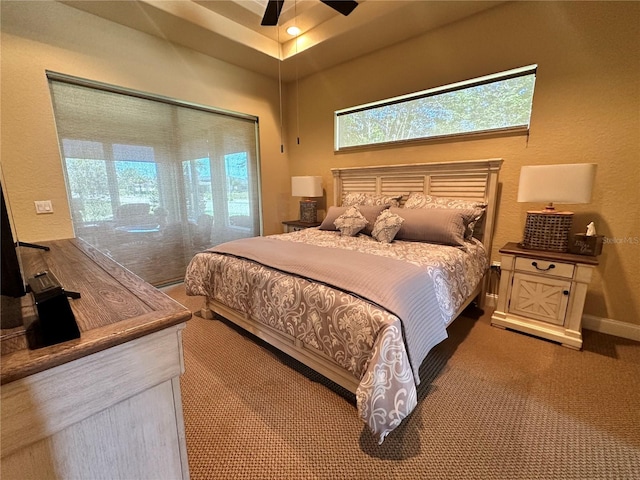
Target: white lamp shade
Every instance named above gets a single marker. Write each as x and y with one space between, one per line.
568 183
306 186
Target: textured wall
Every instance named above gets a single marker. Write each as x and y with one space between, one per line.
585 109
39 36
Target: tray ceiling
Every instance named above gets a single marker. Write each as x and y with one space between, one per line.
230 30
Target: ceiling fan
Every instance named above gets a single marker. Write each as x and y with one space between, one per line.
274 7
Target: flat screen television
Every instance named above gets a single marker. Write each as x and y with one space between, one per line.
12 280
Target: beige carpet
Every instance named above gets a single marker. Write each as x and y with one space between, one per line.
494 404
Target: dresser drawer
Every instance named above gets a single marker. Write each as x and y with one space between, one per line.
544 267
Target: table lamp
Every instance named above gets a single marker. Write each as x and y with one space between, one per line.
307 187
548 229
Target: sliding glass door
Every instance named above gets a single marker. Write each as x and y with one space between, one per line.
152 181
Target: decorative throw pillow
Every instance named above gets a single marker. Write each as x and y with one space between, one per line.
350 222
350 199
434 225
370 213
421 200
386 226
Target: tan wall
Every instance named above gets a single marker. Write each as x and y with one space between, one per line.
39 36
585 109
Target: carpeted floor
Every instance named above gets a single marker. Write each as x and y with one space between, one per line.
494 404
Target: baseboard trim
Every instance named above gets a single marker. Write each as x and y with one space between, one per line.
491 300
591 322
611 327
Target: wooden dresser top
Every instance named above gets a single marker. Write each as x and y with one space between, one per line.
115 307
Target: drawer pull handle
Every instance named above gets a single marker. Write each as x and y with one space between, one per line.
565 292
535 264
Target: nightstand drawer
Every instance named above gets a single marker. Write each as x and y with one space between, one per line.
297 225
544 267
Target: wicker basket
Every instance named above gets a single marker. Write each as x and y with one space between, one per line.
547 231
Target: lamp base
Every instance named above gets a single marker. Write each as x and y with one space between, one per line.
547 231
309 211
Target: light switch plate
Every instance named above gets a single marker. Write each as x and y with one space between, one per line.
43 206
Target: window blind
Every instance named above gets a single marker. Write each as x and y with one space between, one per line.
151 180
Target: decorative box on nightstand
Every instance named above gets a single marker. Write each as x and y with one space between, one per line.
295 225
542 293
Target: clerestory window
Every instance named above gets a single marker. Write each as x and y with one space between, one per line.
500 102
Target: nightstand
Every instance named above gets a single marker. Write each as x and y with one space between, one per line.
542 293
295 225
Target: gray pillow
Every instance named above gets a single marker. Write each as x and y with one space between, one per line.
370 213
434 225
422 200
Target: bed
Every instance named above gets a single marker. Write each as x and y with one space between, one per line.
364 305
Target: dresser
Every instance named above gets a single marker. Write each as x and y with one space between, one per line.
542 293
106 405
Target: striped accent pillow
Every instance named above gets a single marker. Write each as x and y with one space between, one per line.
421 200
434 225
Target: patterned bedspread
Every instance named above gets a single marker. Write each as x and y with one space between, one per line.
358 335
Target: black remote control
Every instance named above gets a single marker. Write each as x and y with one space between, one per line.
44 285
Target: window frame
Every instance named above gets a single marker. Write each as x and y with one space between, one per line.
462 85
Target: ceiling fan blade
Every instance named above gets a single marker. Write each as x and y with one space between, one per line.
345 7
272 13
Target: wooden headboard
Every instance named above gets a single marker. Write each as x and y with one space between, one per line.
468 179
